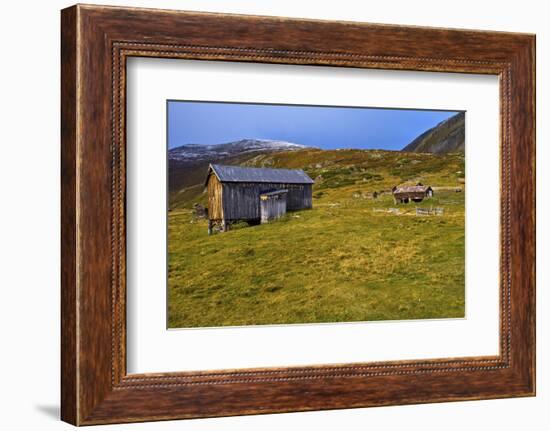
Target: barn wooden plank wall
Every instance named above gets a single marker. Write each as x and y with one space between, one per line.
241 200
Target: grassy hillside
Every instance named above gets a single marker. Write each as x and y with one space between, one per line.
373 170
351 258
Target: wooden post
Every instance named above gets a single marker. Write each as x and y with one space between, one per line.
224 226
209 227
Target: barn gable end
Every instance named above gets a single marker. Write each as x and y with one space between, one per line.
215 202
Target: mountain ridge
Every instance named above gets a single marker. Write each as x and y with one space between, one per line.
198 152
448 136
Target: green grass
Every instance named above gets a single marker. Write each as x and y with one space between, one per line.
345 260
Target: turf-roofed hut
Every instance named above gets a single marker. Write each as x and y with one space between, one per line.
234 192
405 194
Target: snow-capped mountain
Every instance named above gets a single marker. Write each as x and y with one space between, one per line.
199 152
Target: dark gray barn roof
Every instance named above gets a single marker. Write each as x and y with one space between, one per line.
238 174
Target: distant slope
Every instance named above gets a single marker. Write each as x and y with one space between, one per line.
334 171
447 137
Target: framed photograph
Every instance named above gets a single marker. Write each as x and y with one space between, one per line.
263 214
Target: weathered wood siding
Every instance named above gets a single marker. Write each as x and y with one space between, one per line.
241 201
272 207
215 207
299 196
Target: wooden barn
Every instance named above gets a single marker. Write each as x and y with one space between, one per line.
237 193
406 194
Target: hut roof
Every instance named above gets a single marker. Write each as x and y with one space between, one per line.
412 189
238 174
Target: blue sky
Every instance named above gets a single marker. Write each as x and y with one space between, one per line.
322 127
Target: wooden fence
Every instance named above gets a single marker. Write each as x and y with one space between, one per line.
429 211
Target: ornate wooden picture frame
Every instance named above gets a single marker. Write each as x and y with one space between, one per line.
96 41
